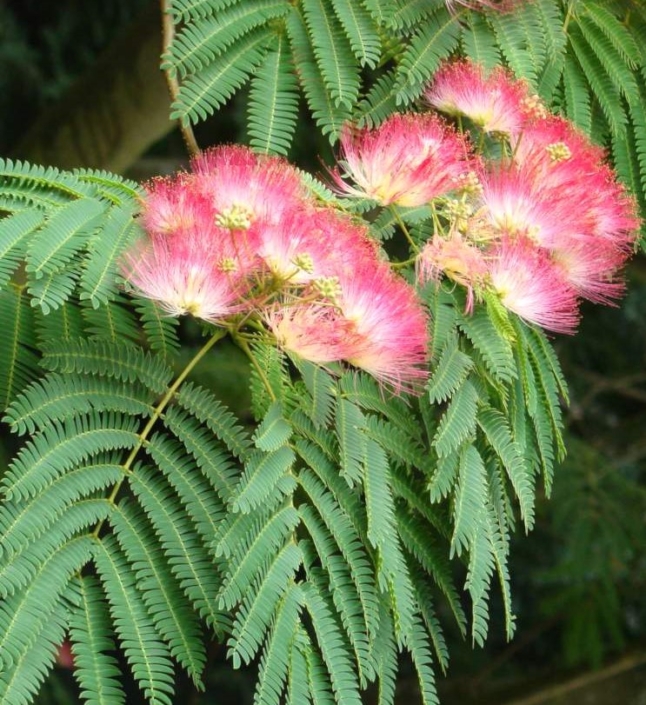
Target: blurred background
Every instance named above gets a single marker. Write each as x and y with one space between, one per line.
80 87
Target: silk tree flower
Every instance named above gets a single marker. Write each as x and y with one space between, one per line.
497 102
172 205
376 323
554 148
562 159
184 274
456 258
313 331
390 326
408 160
591 267
530 285
511 203
313 242
245 188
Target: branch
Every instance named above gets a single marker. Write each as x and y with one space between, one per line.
173 84
628 663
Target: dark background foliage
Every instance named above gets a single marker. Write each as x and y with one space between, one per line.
579 578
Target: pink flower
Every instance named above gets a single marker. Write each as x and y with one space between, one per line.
497 102
530 285
512 203
552 147
408 160
590 267
185 274
390 326
315 332
310 243
455 258
374 322
172 206
244 188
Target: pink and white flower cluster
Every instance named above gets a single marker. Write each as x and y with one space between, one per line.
240 242
537 216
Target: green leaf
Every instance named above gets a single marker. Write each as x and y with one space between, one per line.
65 234
95 668
147 655
350 424
329 114
18 361
333 53
14 230
451 371
470 499
332 646
360 30
459 420
498 433
205 92
274 431
261 477
273 103
433 41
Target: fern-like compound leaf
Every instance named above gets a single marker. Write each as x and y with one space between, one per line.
115 360
18 359
259 604
479 41
202 94
23 523
210 411
451 371
332 646
58 397
260 481
498 434
470 498
186 554
330 115
147 655
251 554
278 663
198 44
333 53
361 31
118 230
95 667
433 41
194 491
60 447
273 102
169 608
14 230
24 614
459 421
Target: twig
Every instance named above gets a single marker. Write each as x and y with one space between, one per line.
168 33
625 664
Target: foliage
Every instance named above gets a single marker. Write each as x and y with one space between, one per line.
336 530
361 60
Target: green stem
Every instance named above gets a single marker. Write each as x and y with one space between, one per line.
404 229
158 411
244 346
568 16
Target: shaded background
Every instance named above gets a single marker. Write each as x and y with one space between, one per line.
80 87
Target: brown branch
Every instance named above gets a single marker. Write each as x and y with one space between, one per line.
168 33
627 663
